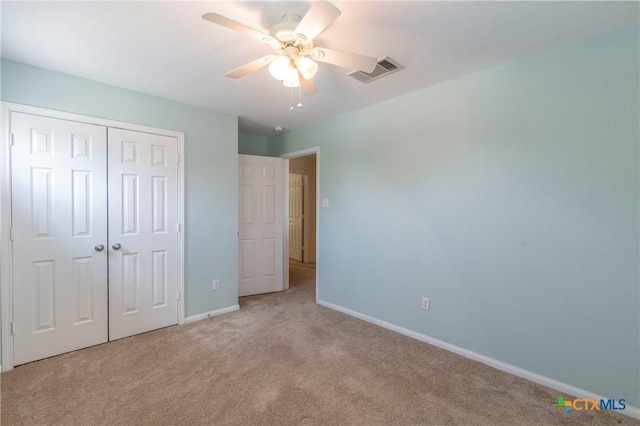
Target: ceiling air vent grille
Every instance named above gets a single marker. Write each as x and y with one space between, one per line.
385 66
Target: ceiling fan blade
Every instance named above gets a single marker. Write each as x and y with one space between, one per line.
320 16
251 67
308 87
237 26
348 60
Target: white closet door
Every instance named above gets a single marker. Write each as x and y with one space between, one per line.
260 225
59 223
143 206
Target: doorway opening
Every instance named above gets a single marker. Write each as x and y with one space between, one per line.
301 262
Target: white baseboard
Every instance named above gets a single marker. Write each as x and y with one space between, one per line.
198 317
499 365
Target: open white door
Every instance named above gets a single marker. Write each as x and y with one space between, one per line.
143 235
260 225
59 230
296 203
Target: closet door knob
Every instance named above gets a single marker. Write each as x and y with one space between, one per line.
99 247
116 246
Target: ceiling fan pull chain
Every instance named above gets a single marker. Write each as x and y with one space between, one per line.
291 99
299 97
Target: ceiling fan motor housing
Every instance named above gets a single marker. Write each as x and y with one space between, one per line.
284 29
291 51
284 34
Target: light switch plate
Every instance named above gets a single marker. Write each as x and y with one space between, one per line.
426 304
325 202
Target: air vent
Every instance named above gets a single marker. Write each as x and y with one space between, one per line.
385 66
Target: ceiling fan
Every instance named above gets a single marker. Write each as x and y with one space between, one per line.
294 61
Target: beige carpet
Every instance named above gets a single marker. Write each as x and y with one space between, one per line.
280 360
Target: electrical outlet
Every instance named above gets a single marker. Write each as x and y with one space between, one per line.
425 303
216 284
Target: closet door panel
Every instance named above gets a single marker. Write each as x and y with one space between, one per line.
59 218
143 238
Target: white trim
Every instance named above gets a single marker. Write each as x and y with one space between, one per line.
87 119
199 317
498 365
302 153
6 273
181 227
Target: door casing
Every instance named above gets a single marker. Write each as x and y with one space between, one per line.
6 272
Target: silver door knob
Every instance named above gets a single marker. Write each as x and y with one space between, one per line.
116 246
99 247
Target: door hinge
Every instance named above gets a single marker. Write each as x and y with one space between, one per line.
178 295
11 139
12 330
178 159
177 227
11 234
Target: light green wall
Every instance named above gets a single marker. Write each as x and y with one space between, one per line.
210 163
510 197
249 144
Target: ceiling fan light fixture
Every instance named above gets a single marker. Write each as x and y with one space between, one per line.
279 68
307 66
292 79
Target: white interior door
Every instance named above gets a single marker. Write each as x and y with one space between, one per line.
59 223
296 203
143 235
260 225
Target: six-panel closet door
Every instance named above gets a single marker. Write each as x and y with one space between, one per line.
59 232
94 231
142 232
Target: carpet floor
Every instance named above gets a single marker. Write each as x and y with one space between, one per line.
280 360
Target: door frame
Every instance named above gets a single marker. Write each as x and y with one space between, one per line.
6 272
287 156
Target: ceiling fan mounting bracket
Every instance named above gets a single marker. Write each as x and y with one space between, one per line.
283 30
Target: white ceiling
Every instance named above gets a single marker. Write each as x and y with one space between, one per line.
166 49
